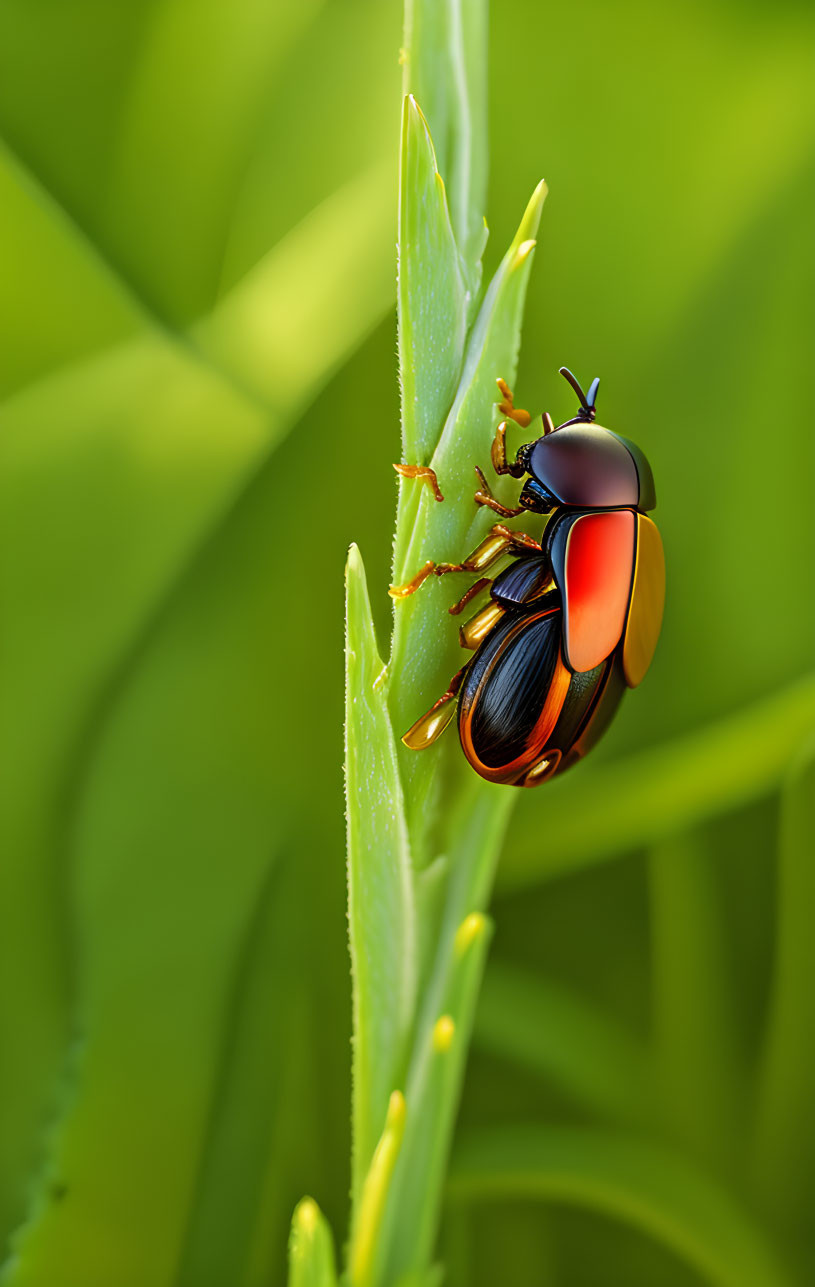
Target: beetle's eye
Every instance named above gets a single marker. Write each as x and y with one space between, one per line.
523 455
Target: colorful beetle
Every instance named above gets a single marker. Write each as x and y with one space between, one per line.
573 620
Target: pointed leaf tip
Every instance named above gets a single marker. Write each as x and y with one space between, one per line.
311 1248
528 226
470 929
353 563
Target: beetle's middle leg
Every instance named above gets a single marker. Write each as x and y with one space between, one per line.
499 541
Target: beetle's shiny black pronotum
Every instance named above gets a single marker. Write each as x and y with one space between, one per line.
573 620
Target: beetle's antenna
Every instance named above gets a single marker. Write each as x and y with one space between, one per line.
573 381
586 411
548 424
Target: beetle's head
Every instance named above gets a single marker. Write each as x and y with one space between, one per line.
581 465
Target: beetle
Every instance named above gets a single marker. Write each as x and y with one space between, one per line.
573 620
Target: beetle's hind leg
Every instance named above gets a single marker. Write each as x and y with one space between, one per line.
432 724
474 589
425 475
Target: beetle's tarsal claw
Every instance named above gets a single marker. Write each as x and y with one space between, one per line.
478 627
425 475
484 496
431 725
411 586
507 405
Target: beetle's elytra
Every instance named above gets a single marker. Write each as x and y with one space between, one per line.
573 620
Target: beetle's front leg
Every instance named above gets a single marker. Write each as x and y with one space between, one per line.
508 408
425 475
484 496
498 454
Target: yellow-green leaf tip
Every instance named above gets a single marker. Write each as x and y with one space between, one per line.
470 929
414 114
374 1193
397 1111
531 218
523 252
306 1217
354 561
444 1030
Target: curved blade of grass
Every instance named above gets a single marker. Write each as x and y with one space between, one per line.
311 1248
380 892
785 1168
230 57
655 793
135 455
549 1029
285 327
41 255
649 1187
696 1063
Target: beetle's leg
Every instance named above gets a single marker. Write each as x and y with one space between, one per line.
425 475
498 542
498 454
475 630
507 406
484 496
411 586
433 723
516 540
468 595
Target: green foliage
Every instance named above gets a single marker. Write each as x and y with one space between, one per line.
634 1181
381 911
199 415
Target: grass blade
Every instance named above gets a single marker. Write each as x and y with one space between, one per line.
550 1030
284 328
445 59
657 792
432 1098
642 1184
696 1047
432 295
785 1168
424 647
365 1252
380 892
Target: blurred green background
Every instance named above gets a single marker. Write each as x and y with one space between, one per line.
200 411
